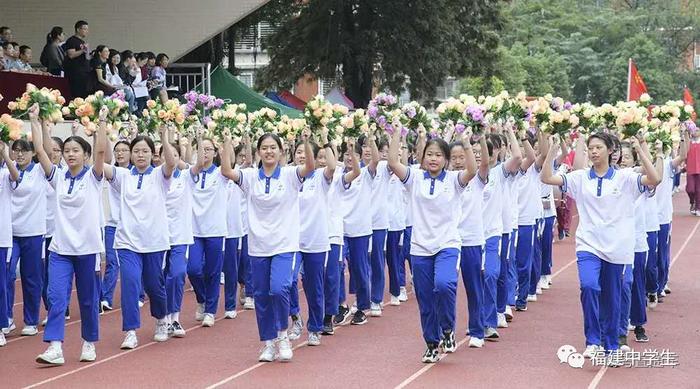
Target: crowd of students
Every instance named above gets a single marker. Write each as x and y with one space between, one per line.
480 205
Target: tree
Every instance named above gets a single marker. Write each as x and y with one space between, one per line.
389 44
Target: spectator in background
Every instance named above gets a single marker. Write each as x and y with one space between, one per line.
115 80
5 35
157 78
2 58
11 55
76 63
131 74
52 55
140 83
25 59
98 76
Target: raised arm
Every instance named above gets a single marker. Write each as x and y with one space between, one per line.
581 156
514 162
197 167
37 140
309 162
470 166
682 149
562 154
529 155
395 165
374 151
485 158
101 143
420 146
167 151
547 176
544 150
228 154
46 133
5 156
355 161
651 178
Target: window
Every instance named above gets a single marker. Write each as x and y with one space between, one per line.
247 78
696 61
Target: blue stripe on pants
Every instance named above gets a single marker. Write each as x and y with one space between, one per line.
406 255
664 255
341 279
523 255
313 275
512 276
26 251
175 271
435 281
638 311
61 270
536 257
470 264
601 291
652 269
245 272
501 284
331 285
137 269
109 280
4 252
230 269
492 269
358 262
377 263
626 299
547 240
272 278
394 259
206 259
294 308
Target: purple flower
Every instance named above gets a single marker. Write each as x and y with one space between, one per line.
692 128
404 131
389 128
218 103
204 99
476 113
459 128
372 111
206 120
567 105
381 121
528 115
191 96
411 112
532 130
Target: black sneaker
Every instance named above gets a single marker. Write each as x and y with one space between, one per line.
342 317
170 330
447 343
651 300
359 318
640 335
328 325
431 353
660 299
521 309
667 290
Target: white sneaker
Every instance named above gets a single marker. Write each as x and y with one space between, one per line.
591 351
630 327
663 293
12 327
531 298
178 331
353 309
543 284
161 334
548 277
230 314
269 352
285 349
502 323
403 295
476 343
314 339
199 313
395 301
208 320
375 310
509 313
141 303
249 303
222 279
241 294
29 331
491 334
3 341
130 341
88 354
52 356
43 322
296 330
538 290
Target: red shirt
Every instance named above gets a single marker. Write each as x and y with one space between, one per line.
693 162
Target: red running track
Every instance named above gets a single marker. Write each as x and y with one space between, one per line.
384 353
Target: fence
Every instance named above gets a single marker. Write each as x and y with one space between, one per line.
188 76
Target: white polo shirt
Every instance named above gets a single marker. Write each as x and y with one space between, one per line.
436 203
664 193
493 201
471 225
51 206
406 195
273 210
209 197
606 217
143 218
114 199
234 216
313 212
178 204
357 220
530 199
511 195
29 202
395 204
640 231
378 203
5 211
335 208
652 212
78 229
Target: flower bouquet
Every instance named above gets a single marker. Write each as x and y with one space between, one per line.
229 120
354 125
262 121
87 111
290 129
631 118
198 104
10 128
560 122
50 102
383 111
156 114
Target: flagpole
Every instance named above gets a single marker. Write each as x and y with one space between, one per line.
629 78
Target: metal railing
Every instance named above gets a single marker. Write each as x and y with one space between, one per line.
189 76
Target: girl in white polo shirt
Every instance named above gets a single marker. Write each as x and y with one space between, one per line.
142 238
8 178
605 236
28 229
380 224
471 231
273 213
77 243
178 204
435 194
235 233
396 207
507 278
209 227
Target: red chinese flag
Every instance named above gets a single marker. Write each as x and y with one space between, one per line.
688 99
635 85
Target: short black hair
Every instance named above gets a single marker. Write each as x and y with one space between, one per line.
607 139
439 142
160 58
3 29
142 138
22 145
23 49
58 141
81 141
79 24
141 56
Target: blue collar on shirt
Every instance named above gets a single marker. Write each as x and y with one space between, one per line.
362 163
310 175
135 172
176 173
28 169
440 177
79 175
608 175
210 170
275 174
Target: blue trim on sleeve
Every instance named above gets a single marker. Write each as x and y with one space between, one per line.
565 186
408 174
300 178
239 182
642 188
483 181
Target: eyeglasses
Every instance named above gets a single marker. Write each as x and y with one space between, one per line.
21 151
209 150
